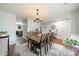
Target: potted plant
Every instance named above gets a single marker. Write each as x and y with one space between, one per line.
71 42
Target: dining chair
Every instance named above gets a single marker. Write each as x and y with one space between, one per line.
49 40
41 44
29 35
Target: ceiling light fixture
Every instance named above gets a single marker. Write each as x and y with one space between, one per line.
37 19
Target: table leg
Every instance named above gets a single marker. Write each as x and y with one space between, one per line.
8 45
45 50
28 42
47 47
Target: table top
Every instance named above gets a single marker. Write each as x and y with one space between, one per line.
35 38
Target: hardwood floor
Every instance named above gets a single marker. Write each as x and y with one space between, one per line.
59 41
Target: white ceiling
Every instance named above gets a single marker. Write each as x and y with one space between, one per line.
47 10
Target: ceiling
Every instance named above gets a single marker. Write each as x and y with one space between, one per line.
46 10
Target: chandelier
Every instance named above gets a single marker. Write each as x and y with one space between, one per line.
37 19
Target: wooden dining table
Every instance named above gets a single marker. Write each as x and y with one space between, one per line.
39 41
34 38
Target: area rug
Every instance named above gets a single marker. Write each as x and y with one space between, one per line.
56 50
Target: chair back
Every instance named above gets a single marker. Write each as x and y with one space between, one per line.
44 38
50 36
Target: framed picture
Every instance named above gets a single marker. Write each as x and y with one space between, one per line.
19 26
53 27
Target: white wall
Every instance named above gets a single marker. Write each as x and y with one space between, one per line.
31 25
78 22
66 27
8 23
74 23
24 28
63 27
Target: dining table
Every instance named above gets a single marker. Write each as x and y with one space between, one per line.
38 40
34 38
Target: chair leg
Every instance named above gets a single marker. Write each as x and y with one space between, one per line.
47 47
34 49
50 45
31 47
28 44
45 50
40 52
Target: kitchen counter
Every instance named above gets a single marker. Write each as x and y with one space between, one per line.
3 35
